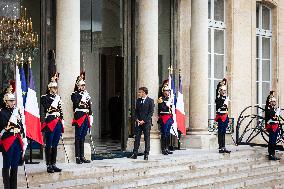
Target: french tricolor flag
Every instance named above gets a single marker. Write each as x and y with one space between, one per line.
32 112
180 114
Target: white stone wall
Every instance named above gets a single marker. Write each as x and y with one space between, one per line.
240 52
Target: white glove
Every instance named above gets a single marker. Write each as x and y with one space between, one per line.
169 103
62 121
25 142
91 119
277 112
84 99
226 102
87 96
55 101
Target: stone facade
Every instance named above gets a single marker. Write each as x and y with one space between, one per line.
240 57
191 41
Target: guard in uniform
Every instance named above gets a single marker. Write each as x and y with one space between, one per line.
222 118
83 117
165 119
272 126
53 125
13 141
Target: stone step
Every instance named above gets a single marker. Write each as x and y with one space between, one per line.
95 170
230 165
199 179
263 182
238 179
276 183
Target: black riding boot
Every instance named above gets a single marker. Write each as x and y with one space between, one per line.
13 178
163 145
6 178
168 140
82 157
48 160
77 151
53 160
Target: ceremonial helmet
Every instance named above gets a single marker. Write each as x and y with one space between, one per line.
165 85
53 81
81 79
272 99
223 87
166 88
9 96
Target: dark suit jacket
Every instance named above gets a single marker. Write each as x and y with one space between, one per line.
144 111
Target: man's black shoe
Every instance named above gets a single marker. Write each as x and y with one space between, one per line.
56 169
169 152
78 160
50 169
84 160
134 156
165 152
145 157
227 151
221 151
273 158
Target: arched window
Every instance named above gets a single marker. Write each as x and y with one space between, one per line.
216 50
263 52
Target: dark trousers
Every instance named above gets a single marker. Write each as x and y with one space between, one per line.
222 126
221 140
11 160
272 141
52 138
81 132
138 132
12 157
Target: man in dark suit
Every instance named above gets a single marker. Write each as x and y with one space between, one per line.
143 121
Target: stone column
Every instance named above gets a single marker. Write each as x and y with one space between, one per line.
147 44
198 101
68 64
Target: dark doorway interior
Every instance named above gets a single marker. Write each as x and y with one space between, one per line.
112 97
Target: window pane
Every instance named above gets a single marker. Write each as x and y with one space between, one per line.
219 10
257 46
265 48
209 66
265 91
209 39
257 15
218 66
209 111
265 18
257 92
209 9
265 70
219 41
257 69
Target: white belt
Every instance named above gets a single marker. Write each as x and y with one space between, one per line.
271 121
57 114
82 110
222 112
10 131
165 112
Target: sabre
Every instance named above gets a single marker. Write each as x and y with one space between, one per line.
64 149
92 141
26 175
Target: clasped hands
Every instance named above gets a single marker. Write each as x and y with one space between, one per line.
140 122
